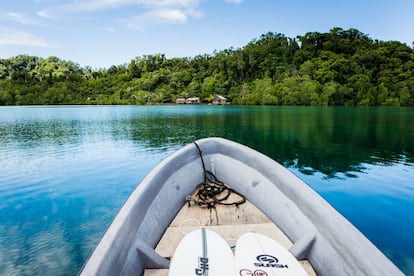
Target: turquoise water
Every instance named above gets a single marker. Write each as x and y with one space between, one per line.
65 171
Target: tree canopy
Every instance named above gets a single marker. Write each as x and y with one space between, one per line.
340 67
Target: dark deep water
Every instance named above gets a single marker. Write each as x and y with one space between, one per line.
65 171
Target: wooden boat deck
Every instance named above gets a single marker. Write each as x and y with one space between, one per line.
228 221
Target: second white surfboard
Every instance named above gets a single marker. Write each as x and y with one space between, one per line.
259 255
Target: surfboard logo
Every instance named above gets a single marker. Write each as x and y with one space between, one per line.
266 260
202 266
248 272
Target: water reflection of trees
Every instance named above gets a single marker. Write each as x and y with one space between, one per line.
326 140
333 140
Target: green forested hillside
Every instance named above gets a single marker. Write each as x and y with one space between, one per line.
341 67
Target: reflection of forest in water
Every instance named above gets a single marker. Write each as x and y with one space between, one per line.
331 140
327 140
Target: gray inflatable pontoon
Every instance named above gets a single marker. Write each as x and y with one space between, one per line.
319 234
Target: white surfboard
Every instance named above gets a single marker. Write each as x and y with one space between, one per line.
202 252
259 255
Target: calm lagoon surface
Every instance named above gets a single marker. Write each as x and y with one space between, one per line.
66 171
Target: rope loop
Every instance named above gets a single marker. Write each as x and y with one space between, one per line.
212 191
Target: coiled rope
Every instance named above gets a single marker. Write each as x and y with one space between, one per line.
212 191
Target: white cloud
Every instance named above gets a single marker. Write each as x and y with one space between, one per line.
109 29
19 18
164 12
156 16
148 12
16 37
172 11
234 1
167 16
56 12
46 14
94 5
170 3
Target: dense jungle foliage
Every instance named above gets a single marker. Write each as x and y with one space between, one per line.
341 67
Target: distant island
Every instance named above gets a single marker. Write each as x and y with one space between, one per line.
337 68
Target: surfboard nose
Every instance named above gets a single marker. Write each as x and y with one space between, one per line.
202 252
259 255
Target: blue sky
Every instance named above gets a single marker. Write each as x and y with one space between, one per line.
101 33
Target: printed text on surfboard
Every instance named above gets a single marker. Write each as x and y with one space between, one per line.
265 260
202 266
